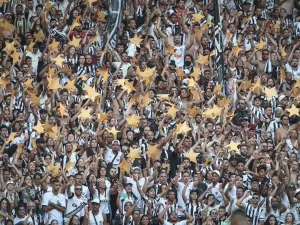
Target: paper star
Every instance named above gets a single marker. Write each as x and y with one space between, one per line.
260 45
30 47
216 110
193 111
133 121
218 88
120 82
192 156
233 146
62 110
101 16
236 50
163 97
133 154
197 17
172 111
170 49
7 26
38 127
203 60
196 73
124 166
54 46
128 86
34 99
10 138
283 53
297 84
28 83
83 77
196 95
65 70
104 73
69 166
147 74
54 84
114 132
39 37
182 128
85 113
276 26
58 61
92 93
9 47
270 93
152 152
135 40
293 111
47 127
146 100
55 169
102 117
282 74
180 73
75 24
75 42
209 113
213 53
4 81
257 86
20 149
70 85
247 85
224 102
16 56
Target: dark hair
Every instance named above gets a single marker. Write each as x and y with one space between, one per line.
267 222
9 211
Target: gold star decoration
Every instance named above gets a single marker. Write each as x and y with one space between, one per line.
92 93
170 49
133 153
192 156
34 99
163 97
197 17
102 117
101 17
218 88
55 169
196 73
257 87
9 47
114 132
146 100
104 73
39 37
133 120
203 60
182 128
282 74
224 102
135 40
10 138
293 111
75 42
172 111
38 127
246 85
28 83
147 75
193 111
297 84
54 46
270 93
70 85
236 50
192 83
4 81
233 146
30 46
152 152
85 113
180 73
16 56
58 61
283 52
69 166
65 70
260 45
276 26
62 110
128 86
54 84
83 77
75 24
124 166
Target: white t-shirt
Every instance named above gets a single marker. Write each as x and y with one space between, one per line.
104 200
35 59
109 156
187 193
99 218
134 187
124 68
183 222
76 206
178 56
18 220
56 199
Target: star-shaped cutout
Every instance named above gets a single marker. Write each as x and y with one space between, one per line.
30 46
28 83
236 50
261 45
133 120
196 73
75 42
54 46
16 56
224 102
69 166
133 154
246 85
182 128
203 60
146 100
218 88
128 86
233 146
70 85
4 81
192 83
270 93
257 86
10 138
39 37
85 113
62 110
293 111
283 52
163 97
113 131
152 152
197 17
172 111
102 117
136 40
55 169
192 156
65 70
9 47
38 127
92 93
34 99
54 84
124 166
193 111
58 61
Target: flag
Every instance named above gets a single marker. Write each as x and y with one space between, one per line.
218 42
113 24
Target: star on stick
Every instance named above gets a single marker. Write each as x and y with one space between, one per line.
232 146
152 152
38 127
92 93
39 37
133 153
192 156
114 132
133 121
124 166
293 111
136 40
85 113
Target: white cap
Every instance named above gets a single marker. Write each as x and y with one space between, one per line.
216 171
297 190
96 200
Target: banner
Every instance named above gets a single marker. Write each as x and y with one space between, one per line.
218 42
114 22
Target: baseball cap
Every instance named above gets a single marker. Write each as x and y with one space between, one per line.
9 182
281 97
297 190
116 142
96 200
216 172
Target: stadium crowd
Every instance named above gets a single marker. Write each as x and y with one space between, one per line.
148 129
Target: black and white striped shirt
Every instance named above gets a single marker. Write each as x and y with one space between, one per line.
256 213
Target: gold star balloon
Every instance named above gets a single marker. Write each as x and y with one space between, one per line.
133 154
232 146
270 93
92 93
192 156
293 111
113 131
133 120
136 40
85 113
38 127
124 166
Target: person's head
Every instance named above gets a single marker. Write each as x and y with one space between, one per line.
95 205
78 179
21 210
255 198
289 218
144 220
173 217
55 185
271 220
238 217
75 220
265 54
5 205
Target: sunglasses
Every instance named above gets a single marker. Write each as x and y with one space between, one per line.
78 189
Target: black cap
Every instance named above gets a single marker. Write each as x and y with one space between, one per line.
40 141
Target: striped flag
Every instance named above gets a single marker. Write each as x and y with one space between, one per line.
218 42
